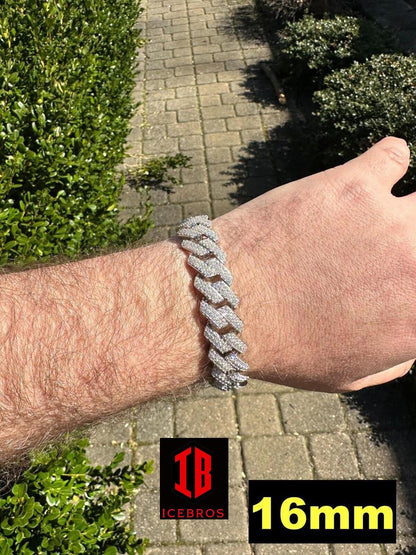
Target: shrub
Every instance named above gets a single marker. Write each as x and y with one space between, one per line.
64 505
67 71
366 102
281 11
313 47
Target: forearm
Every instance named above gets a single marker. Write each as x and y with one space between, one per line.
82 340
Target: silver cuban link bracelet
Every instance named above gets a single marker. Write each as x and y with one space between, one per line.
217 306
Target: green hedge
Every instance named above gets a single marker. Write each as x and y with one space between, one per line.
311 48
366 102
62 504
67 71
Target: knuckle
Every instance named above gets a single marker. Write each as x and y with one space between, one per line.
397 150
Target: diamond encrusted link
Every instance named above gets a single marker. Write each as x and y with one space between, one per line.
226 342
216 291
210 268
214 281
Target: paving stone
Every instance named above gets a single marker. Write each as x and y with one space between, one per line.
209 48
233 529
155 234
162 54
258 415
235 467
154 64
202 58
175 44
310 411
388 455
244 122
154 420
214 125
183 70
357 549
184 35
135 135
227 46
233 65
204 33
175 62
181 103
228 56
406 508
246 109
227 549
214 89
102 455
154 132
176 29
194 174
197 155
222 139
220 172
195 192
206 78
115 429
191 141
161 146
276 458
158 74
183 81
185 92
403 546
220 207
154 48
214 100
229 76
217 155
183 129
196 208
168 214
212 417
150 453
291 549
162 117
163 94
146 518
333 456
129 197
154 84
188 114
215 112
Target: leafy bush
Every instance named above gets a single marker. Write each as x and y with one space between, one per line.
67 71
281 11
314 47
366 102
64 505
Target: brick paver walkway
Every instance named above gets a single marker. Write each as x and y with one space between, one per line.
204 95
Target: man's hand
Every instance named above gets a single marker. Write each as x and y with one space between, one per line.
326 271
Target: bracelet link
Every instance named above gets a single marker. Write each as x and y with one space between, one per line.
208 259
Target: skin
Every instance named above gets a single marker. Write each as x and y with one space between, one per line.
325 268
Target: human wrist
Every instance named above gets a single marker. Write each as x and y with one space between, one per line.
244 245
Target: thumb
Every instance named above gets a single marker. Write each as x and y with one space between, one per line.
381 166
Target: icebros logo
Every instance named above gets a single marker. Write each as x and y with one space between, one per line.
194 478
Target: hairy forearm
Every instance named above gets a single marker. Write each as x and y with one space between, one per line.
85 339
